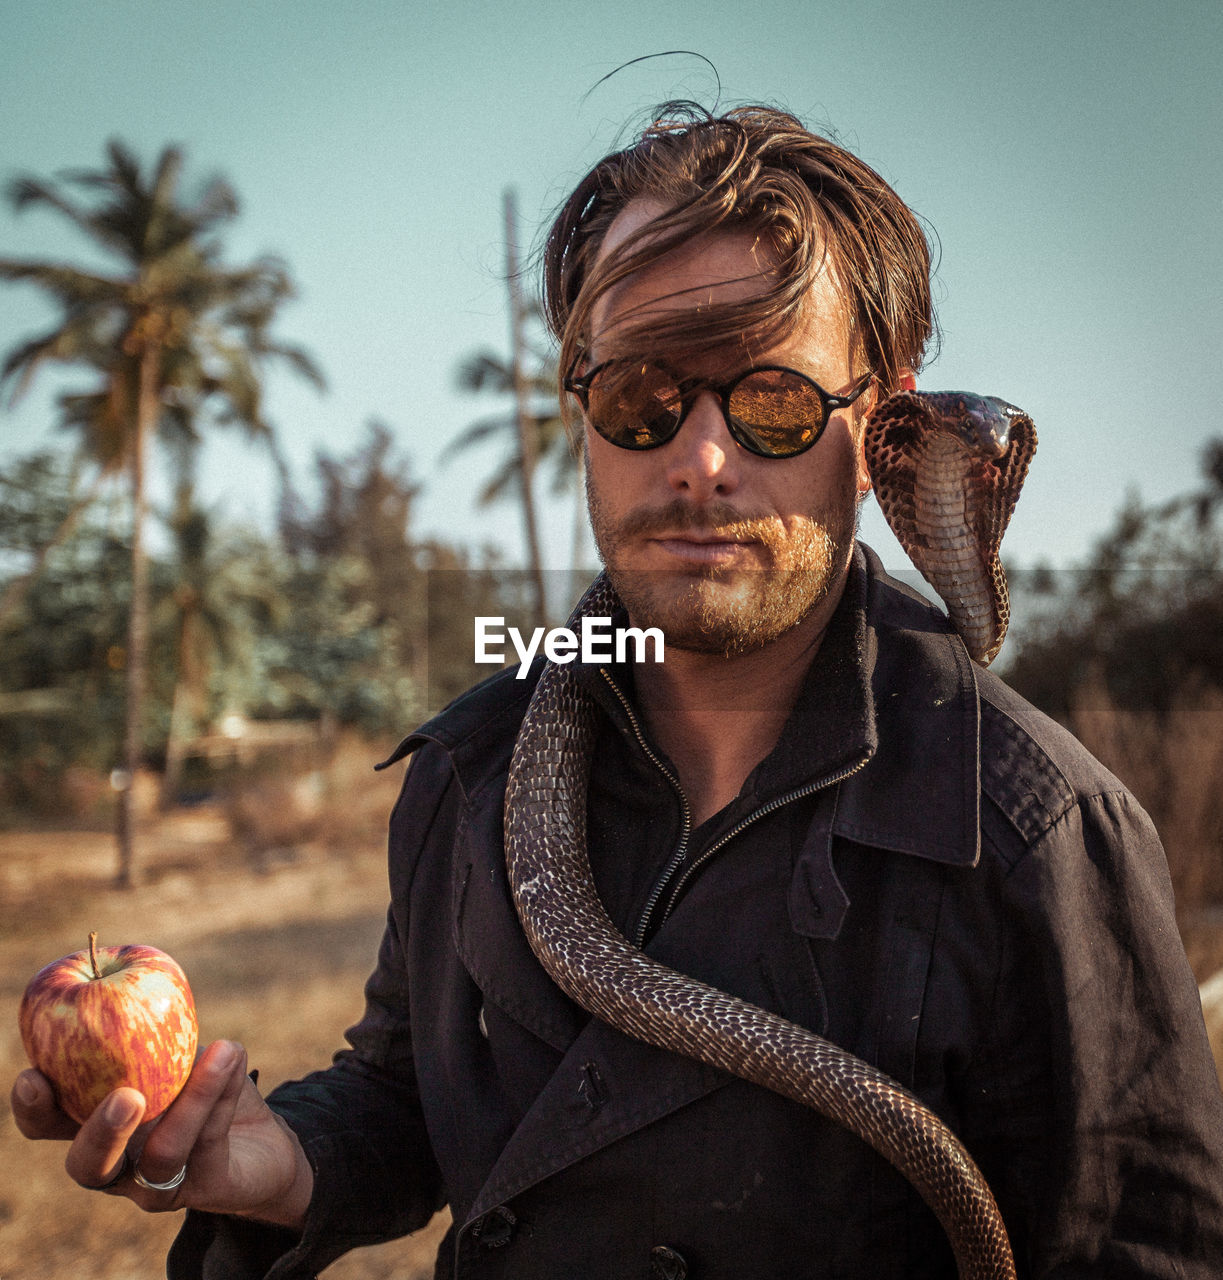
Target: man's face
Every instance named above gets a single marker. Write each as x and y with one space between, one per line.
722 549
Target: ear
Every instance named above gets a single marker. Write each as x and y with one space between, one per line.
861 470
907 380
864 484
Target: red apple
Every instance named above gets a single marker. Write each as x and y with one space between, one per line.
107 1017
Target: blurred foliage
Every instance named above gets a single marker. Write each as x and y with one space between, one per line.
63 649
399 642
339 617
1143 622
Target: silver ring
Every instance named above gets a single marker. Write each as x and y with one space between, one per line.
174 1183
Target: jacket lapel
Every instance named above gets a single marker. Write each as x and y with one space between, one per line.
484 924
606 1087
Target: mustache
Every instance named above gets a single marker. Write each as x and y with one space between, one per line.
680 517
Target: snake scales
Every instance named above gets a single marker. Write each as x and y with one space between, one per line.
947 469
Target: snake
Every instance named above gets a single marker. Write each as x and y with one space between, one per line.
947 467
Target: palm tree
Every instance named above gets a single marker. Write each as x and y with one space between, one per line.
534 426
173 336
485 372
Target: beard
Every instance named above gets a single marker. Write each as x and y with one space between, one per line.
727 611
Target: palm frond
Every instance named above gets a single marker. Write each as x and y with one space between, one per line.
25 191
505 482
125 167
477 433
302 361
166 172
64 343
217 203
69 285
484 371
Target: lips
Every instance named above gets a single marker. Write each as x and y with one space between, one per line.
703 549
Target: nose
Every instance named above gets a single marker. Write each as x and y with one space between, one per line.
703 460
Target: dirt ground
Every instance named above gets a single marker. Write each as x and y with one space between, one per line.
276 956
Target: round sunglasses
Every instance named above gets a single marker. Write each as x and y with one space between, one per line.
770 410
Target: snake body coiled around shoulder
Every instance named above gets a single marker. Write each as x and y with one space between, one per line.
578 945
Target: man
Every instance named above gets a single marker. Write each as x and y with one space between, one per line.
816 803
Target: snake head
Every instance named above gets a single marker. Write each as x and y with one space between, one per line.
982 423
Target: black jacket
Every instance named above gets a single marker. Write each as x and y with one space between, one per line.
925 870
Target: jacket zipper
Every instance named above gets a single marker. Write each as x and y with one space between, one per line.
677 858
776 803
681 850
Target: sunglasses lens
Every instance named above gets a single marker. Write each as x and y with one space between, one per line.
634 405
777 412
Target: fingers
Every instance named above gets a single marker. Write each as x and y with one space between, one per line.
203 1112
97 1153
35 1109
97 1157
112 1149
219 1120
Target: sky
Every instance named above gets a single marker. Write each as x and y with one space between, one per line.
1065 155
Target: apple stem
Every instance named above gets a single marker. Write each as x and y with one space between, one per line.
93 953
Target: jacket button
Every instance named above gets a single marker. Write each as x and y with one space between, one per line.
495 1228
666 1264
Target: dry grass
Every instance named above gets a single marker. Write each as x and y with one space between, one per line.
277 956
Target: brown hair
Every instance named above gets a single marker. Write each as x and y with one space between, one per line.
758 169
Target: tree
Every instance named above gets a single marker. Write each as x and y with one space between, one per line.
173 338
1143 621
219 588
534 424
353 575
55 534
61 698
389 631
532 380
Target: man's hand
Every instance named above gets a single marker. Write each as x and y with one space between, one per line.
240 1157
